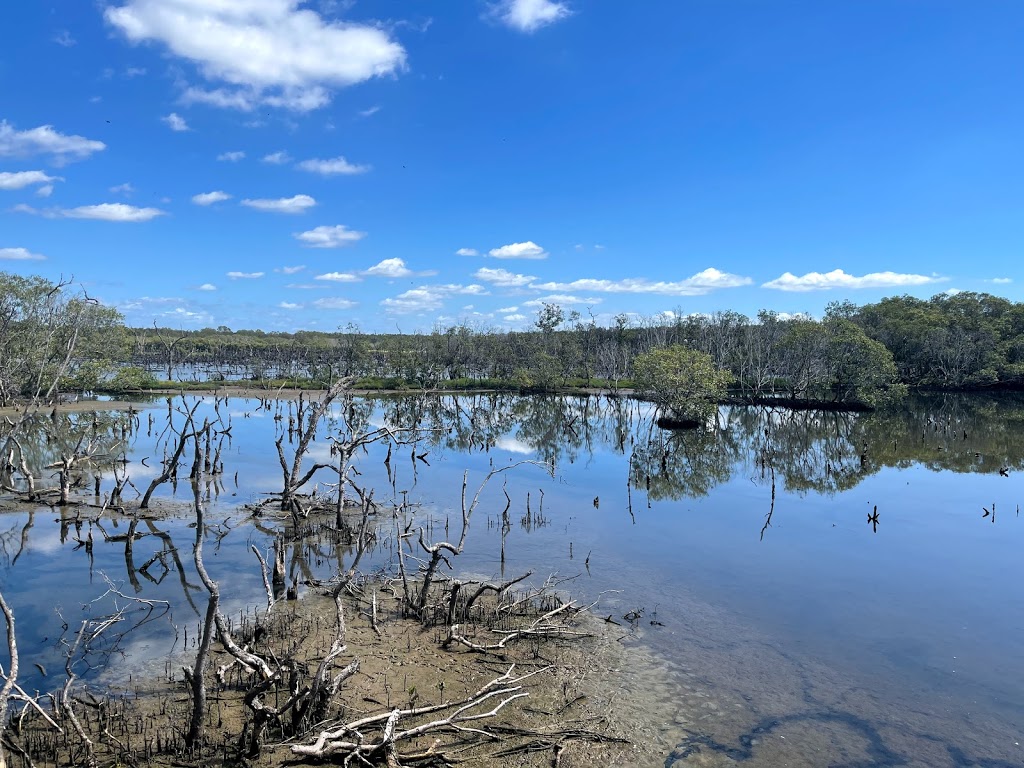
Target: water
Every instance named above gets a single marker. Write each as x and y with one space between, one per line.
829 637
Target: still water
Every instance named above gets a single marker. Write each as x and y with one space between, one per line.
814 588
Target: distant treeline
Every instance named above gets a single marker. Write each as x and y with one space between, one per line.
960 341
54 338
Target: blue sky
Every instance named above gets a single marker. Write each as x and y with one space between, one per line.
284 165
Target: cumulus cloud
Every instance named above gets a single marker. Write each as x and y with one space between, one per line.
394 268
277 158
699 284
507 310
272 52
337 166
336 277
245 275
231 157
837 278
22 179
503 278
467 252
334 303
209 198
289 305
175 122
295 204
337 236
44 140
429 297
1001 280
531 15
19 254
102 212
207 287
514 318
290 270
561 298
527 250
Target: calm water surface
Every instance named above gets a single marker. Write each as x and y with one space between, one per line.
831 636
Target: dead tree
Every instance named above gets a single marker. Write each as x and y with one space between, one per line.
12 674
171 465
307 422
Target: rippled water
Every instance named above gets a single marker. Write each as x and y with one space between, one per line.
829 637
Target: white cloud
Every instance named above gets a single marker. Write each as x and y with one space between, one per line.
209 198
503 278
102 212
333 167
701 283
22 179
273 52
290 270
123 189
561 298
45 191
289 305
505 310
19 254
531 15
429 297
277 158
369 112
207 287
231 157
514 318
131 72
329 237
176 122
64 38
296 204
1001 280
527 250
244 101
245 275
837 278
389 268
467 252
334 303
337 277
45 141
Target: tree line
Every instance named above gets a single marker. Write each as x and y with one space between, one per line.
55 338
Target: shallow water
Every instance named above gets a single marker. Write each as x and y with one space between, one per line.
823 639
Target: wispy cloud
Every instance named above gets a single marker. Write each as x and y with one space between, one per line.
175 122
295 204
837 278
337 277
64 38
231 157
562 298
427 298
290 270
277 158
337 236
245 275
467 252
334 303
699 284
369 112
289 305
122 189
44 140
527 250
503 278
119 212
337 166
22 179
209 198
19 254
